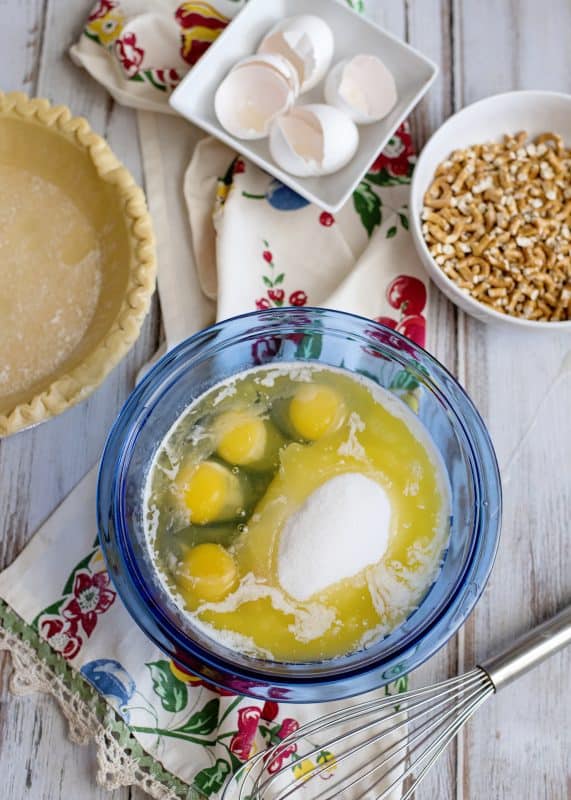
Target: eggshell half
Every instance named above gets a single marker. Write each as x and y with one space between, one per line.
307 43
363 87
277 62
255 92
313 140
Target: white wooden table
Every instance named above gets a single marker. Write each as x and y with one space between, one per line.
518 747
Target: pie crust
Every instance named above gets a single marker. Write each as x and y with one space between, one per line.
77 260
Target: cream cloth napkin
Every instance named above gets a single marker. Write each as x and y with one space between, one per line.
254 244
259 245
141 49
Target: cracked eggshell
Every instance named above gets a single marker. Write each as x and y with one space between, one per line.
277 62
256 91
306 41
313 140
363 87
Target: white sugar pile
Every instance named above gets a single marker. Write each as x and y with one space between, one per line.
341 528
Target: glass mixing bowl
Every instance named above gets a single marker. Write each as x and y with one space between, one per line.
358 346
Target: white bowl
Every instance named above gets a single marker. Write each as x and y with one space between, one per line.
486 120
194 97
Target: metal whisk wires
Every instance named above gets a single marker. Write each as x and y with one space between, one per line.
370 750
381 749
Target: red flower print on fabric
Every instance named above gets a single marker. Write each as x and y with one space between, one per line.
407 294
397 154
404 347
270 711
166 77
242 741
282 755
129 54
277 295
326 219
264 350
101 9
298 298
288 726
91 597
414 328
274 281
62 636
68 622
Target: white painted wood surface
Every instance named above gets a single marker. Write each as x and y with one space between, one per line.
518 746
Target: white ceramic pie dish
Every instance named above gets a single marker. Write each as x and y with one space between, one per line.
413 73
485 120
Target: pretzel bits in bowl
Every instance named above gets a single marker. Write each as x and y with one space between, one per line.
492 219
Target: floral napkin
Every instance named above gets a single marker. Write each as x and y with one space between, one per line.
256 244
360 260
141 49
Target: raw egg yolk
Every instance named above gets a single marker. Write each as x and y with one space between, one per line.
207 489
316 410
242 437
208 573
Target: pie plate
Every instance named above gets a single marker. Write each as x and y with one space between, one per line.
77 261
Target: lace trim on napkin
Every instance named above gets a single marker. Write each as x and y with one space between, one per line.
121 759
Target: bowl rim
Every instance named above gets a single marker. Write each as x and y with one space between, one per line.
464 301
74 385
353 679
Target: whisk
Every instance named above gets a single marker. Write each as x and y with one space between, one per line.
383 748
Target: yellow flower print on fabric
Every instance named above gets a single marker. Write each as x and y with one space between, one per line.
226 183
183 676
303 768
327 757
105 23
201 24
97 562
222 190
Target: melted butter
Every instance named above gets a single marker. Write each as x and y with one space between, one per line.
378 438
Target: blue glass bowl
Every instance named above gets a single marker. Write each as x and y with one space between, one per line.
340 340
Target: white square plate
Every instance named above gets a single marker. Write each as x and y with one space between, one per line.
413 73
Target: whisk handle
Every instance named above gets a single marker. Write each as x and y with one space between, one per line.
530 649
